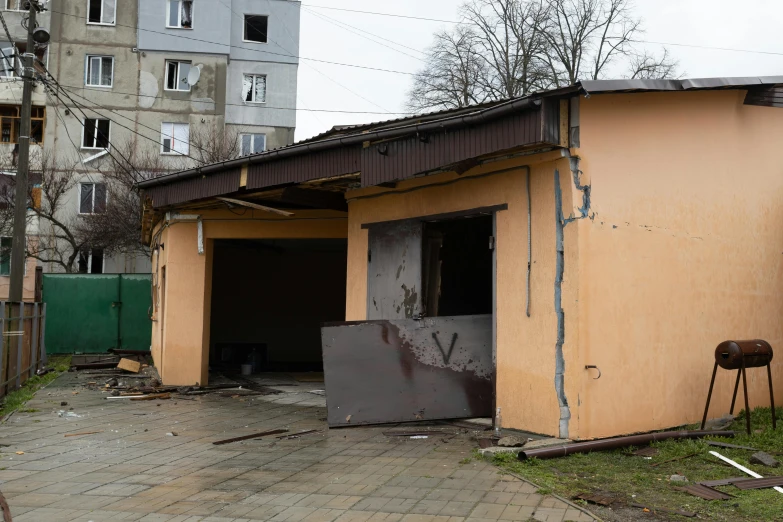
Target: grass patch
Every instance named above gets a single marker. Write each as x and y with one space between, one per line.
17 399
633 479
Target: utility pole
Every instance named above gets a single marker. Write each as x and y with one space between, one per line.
18 246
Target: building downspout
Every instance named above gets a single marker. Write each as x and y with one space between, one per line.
565 411
529 242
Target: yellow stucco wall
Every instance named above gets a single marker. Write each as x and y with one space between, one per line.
685 251
525 346
180 333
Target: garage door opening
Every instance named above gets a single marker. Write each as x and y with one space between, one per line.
269 300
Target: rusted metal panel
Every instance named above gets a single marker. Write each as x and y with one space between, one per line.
762 483
406 157
705 492
297 169
195 188
723 482
407 370
394 270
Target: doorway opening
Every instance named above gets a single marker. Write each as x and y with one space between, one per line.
269 300
457 267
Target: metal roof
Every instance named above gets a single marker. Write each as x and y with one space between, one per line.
464 116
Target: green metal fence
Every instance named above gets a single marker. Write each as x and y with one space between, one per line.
91 313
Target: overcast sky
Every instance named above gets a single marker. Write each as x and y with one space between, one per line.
751 25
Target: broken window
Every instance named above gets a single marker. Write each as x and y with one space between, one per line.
101 12
100 71
92 198
180 14
15 5
96 133
254 88
10 62
5 256
175 138
256 28
10 122
252 143
91 261
177 76
457 267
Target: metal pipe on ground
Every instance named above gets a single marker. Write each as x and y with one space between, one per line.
617 442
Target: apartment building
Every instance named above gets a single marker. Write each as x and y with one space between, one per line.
168 79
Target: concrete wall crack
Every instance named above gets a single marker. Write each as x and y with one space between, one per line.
560 223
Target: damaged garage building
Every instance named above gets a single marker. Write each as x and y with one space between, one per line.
571 257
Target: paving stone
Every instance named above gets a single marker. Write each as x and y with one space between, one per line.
353 475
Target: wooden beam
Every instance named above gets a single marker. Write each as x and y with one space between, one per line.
315 198
256 206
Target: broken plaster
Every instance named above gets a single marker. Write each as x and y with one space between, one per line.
560 223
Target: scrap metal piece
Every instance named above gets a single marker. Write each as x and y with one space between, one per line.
387 371
723 482
742 468
298 434
596 498
617 442
705 492
248 437
689 455
730 446
762 483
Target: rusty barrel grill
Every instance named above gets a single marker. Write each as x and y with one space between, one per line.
739 355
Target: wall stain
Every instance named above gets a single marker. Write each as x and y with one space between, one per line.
560 223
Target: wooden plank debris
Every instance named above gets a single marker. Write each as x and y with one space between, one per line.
705 492
129 365
248 437
152 397
84 433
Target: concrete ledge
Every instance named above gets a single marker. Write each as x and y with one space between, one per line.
542 443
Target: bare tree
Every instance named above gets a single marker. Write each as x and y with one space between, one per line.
454 75
212 143
520 46
512 43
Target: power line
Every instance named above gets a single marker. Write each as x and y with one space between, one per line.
348 27
113 92
248 48
707 47
392 15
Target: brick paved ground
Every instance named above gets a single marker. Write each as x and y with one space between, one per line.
134 471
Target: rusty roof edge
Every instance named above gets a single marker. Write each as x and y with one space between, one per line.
599 86
476 117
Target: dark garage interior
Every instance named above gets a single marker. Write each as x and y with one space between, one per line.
269 299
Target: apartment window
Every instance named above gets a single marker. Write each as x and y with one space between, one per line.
256 28
175 138
96 133
180 14
10 64
14 5
254 88
177 76
91 261
101 12
92 198
252 143
10 122
5 256
100 71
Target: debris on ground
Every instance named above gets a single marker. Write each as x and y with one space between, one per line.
649 509
759 483
675 459
729 446
80 434
248 437
511 442
765 459
297 435
705 492
719 424
596 498
63 413
64 403
742 468
647 452
129 365
678 478
172 434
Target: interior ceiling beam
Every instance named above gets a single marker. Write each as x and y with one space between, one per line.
315 198
255 206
